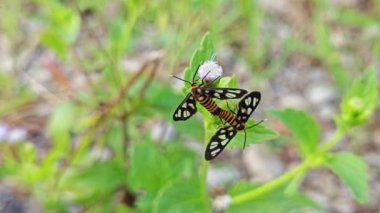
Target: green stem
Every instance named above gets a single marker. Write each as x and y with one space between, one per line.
204 168
334 139
257 192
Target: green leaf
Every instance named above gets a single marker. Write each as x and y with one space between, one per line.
200 55
228 81
361 100
257 134
304 128
352 170
276 201
182 196
60 124
354 18
102 176
62 27
152 170
93 182
55 42
149 168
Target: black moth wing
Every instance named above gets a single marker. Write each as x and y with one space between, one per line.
247 105
186 109
219 141
222 93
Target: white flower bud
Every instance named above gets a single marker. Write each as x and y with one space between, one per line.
210 70
222 202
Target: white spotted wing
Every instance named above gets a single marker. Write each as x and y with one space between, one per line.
222 93
219 141
186 109
247 105
224 135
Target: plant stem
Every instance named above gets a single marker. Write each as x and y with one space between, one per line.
257 192
334 139
204 168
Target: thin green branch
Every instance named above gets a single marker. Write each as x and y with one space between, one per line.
264 189
334 139
204 168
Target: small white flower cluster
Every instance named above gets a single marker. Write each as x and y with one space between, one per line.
11 135
210 70
222 202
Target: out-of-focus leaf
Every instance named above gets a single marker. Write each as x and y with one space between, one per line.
149 169
152 170
276 201
27 153
183 163
304 128
182 196
52 40
61 122
62 28
95 181
328 53
353 172
354 17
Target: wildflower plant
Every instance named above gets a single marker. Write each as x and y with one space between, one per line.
285 190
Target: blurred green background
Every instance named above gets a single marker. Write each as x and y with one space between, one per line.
86 100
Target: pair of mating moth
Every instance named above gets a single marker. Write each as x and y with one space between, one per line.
235 120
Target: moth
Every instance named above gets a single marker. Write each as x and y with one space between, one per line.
204 95
236 122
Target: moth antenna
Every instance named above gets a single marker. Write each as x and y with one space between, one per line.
180 79
213 56
195 74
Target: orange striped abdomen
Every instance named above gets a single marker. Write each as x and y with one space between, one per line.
231 119
208 103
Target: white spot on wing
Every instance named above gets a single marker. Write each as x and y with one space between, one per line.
214 152
213 144
249 110
222 137
229 95
255 100
217 95
186 113
224 142
248 100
